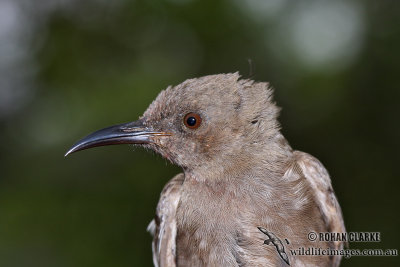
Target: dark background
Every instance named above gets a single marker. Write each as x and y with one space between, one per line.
70 67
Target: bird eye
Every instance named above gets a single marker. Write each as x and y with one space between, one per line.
192 120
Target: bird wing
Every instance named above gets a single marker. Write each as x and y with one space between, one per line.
319 180
163 226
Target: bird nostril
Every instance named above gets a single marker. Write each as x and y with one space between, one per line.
192 120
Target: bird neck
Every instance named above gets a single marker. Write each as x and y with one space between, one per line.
267 159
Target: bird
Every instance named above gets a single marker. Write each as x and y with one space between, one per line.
273 240
239 175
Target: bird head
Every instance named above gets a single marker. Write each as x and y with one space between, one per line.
200 122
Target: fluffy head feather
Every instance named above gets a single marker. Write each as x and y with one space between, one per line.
233 111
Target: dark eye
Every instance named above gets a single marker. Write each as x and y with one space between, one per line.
192 120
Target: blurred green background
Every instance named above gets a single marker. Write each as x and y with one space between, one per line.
70 67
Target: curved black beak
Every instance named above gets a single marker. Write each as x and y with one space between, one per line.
127 133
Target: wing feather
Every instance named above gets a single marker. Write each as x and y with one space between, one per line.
320 182
163 226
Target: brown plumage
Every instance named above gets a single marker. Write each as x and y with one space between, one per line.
239 174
